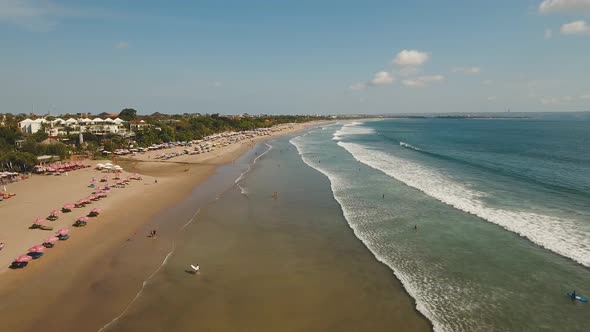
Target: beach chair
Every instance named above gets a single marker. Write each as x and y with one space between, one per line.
35 255
48 244
45 228
18 265
79 223
63 237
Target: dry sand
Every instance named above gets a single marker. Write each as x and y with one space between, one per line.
69 271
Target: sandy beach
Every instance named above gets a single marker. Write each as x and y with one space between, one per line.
71 269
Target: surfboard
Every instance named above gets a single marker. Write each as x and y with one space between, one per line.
578 297
196 268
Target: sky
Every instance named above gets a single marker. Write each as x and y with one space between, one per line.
294 57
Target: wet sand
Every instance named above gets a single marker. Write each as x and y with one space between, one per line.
262 270
286 264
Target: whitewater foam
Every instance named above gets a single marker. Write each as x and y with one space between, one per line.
562 236
353 128
427 306
243 190
144 284
406 145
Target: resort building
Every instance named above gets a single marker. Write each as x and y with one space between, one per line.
61 127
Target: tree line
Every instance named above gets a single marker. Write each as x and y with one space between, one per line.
157 128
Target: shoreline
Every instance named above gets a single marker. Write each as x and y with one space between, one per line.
274 264
63 266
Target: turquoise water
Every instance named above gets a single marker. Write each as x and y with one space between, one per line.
501 210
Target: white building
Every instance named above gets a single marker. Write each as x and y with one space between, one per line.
59 127
32 126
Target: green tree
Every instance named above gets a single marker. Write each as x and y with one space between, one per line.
128 114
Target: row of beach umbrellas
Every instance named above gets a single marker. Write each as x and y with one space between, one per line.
36 251
41 248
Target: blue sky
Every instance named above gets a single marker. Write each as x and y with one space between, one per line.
313 57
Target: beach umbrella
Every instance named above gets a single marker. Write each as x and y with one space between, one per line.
37 249
54 213
69 206
85 218
63 231
23 258
51 239
39 221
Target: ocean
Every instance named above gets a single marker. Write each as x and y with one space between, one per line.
485 222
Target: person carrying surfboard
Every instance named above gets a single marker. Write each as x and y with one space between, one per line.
573 295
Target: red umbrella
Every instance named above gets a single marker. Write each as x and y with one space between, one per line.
37 249
63 231
23 258
51 239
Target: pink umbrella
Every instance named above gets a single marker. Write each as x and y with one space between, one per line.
54 213
63 231
69 206
37 249
39 221
85 218
51 239
23 258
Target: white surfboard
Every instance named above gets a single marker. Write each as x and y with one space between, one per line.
195 268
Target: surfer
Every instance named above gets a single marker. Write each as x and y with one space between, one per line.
573 295
383 196
415 228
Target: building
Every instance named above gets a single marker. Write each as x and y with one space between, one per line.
29 126
61 127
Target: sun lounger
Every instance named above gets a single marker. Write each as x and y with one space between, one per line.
35 255
63 237
45 228
18 265
48 245
79 223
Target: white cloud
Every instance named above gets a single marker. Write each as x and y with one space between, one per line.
421 81
574 6
36 15
492 98
575 28
122 45
382 78
411 58
548 33
585 97
217 84
466 70
358 86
